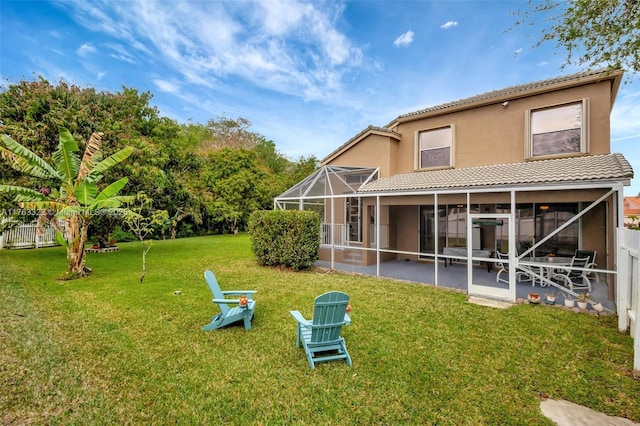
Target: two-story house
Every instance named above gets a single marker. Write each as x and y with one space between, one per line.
526 171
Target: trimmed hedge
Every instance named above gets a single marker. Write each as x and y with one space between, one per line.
289 238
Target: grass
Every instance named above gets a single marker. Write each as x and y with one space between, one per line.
107 349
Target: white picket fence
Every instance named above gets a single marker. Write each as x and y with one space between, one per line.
628 292
24 236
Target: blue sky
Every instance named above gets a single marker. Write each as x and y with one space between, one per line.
308 75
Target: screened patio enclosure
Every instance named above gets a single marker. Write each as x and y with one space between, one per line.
332 191
369 224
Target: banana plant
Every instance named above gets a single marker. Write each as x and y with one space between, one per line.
77 199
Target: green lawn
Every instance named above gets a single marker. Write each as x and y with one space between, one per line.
107 349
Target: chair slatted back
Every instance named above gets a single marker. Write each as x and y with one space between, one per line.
328 316
578 262
215 290
587 253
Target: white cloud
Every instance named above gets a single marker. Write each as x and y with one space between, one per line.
404 40
518 51
449 24
289 47
85 49
120 52
625 117
166 86
542 63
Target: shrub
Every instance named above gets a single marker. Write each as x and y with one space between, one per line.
289 238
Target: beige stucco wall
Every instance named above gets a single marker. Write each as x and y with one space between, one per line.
495 134
372 151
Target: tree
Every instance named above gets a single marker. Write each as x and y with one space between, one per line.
231 133
143 221
594 32
234 186
76 200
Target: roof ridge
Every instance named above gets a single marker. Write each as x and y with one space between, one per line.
517 88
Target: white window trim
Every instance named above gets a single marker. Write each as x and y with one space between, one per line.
584 130
418 152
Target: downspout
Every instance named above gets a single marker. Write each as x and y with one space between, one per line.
377 235
512 249
436 232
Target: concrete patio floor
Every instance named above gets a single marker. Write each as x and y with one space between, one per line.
455 277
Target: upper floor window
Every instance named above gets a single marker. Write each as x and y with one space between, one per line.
557 130
435 147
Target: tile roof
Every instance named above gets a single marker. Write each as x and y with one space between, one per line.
632 205
591 168
516 90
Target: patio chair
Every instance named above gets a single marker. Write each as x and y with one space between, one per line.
574 279
321 335
229 315
591 263
504 267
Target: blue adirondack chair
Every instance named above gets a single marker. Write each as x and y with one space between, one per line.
229 315
321 335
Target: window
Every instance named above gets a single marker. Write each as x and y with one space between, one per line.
535 222
452 226
557 130
435 147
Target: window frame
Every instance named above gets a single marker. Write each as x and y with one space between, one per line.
584 130
418 151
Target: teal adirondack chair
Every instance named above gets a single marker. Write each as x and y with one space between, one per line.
229 315
321 336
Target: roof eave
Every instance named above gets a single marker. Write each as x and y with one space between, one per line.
591 184
615 75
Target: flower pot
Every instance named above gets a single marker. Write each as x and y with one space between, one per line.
550 299
582 305
598 307
534 298
569 302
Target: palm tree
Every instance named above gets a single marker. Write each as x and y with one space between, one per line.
76 200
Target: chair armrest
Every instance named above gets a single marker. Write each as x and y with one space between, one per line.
235 301
249 293
299 318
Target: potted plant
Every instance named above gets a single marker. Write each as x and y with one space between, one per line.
582 300
534 298
550 299
568 301
598 307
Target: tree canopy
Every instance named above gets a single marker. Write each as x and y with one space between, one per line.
207 177
594 33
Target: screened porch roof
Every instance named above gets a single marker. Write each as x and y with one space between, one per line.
584 169
331 180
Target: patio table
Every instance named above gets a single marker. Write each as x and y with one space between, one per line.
462 252
545 266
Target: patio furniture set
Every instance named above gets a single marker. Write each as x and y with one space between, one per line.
574 273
